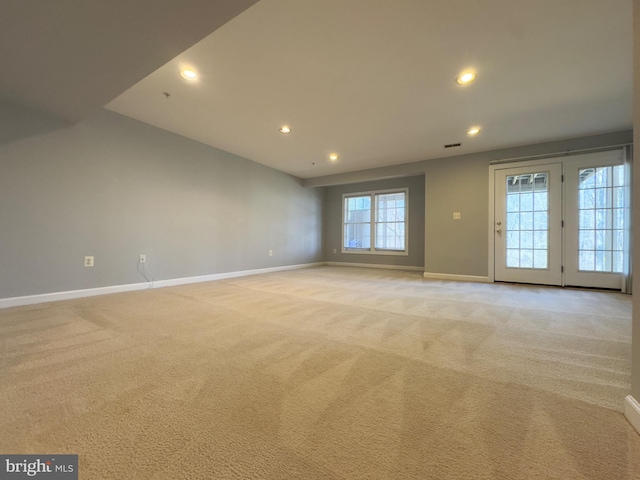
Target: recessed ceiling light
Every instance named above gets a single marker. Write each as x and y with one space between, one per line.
333 157
188 74
285 129
473 131
465 78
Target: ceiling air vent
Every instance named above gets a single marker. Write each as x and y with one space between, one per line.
452 145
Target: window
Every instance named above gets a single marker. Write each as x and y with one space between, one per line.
601 207
375 222
528 221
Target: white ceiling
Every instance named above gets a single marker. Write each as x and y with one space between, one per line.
68 58
374 79
370 79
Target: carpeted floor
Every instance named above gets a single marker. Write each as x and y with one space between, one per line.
324 373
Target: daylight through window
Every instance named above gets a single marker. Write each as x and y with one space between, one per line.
601 206
375 222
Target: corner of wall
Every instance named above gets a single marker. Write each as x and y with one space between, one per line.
632 412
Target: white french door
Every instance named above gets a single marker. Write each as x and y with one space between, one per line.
528 221
596 226
562 221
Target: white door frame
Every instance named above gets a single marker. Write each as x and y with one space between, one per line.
572 275
541 160
492 189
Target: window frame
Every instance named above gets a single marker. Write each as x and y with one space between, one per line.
372 250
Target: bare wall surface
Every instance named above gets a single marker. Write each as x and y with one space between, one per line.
115 188
333 223
457 246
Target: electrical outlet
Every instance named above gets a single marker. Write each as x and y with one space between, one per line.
88 261
335 250
271 253
143 259
456 215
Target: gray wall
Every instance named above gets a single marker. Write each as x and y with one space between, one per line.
455 184
333 223
457 246
635 345
114 188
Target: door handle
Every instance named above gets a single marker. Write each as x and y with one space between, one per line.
498 231
499 223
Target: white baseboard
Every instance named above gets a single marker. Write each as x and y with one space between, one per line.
374 265
70 295
456 278
632 412
222 276
92 292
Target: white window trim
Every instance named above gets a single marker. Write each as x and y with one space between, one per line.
373 250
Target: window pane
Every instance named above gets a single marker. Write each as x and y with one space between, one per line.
603 177
513 221
600 246
587 198
617 261
587 178
526 239
513 258
618 197
603 218
587 240
526 202
527 220
357 235
618 240
540 201
526 258
540 221
357 218
586 260
526 183
540 240
618 176
603 240
587 219
390 221
603 261
603 197
618 218
540 259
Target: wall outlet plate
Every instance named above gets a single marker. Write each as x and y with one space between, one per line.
456 215
142 259
88 261
271 253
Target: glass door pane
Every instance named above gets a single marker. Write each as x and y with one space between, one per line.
527 228
601 204
596 229
527 231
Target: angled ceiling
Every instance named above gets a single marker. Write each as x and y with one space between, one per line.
68 58
372 80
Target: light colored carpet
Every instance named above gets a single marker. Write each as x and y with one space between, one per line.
324 373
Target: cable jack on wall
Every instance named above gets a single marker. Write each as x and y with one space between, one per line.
143 270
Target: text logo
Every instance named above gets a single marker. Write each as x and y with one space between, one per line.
44 467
